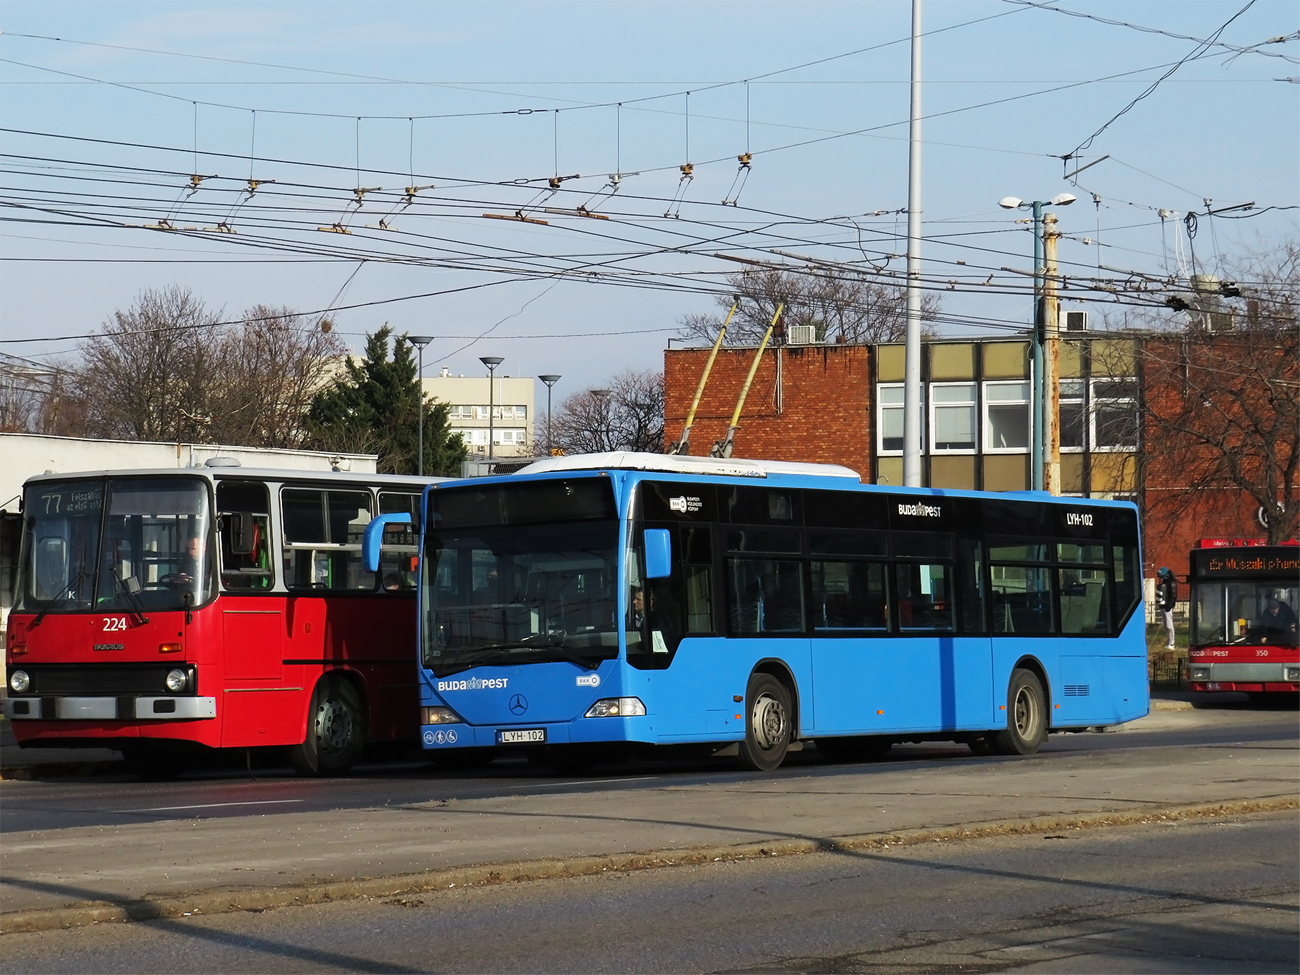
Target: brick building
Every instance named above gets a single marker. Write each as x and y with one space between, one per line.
843 404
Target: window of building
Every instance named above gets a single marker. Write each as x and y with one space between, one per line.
952 417
1114 414
889 418
1072 414
1006 417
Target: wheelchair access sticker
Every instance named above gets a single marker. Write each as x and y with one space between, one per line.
440 737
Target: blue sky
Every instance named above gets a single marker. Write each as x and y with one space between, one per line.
109 107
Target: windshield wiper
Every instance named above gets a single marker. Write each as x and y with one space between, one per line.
67 588
129 591
551 640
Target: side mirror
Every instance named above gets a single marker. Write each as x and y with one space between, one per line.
658 553
374 536
240 526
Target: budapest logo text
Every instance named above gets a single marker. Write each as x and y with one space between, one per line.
473 684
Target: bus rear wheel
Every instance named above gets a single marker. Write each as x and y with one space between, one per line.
1026 716
335 730
767 724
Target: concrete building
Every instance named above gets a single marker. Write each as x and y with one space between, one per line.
510 399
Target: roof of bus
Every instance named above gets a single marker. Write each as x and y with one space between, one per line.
675 464
252 473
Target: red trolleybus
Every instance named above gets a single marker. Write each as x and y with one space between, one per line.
1244 597
161 610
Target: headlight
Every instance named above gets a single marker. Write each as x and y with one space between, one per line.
439 715
19 681
176 680
616 707
1293 673
1200 673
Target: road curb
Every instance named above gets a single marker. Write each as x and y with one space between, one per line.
406 887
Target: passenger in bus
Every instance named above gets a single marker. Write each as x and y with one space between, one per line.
638 607
1276 623
1166 599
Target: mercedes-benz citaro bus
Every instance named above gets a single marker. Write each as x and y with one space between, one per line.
225 607
607 603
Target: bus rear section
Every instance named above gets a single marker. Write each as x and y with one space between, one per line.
1244 597
163 612
572 613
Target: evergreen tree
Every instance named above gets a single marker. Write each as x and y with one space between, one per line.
374 408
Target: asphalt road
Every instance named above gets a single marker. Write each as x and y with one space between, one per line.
1205 897
108 796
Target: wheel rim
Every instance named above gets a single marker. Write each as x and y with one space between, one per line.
1026 714
333 726
769 722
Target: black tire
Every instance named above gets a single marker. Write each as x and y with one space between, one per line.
1026 716
155 761
853 749
767 724
336 730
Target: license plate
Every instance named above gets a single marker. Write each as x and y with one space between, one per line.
521 736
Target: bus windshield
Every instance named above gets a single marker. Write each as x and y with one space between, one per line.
1247 611
501 587
122 545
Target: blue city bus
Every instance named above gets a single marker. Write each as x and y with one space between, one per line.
619 603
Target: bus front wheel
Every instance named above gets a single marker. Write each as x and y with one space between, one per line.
767 724
335 730
1026 716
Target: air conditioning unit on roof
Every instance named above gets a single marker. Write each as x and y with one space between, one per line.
803 334
1076 321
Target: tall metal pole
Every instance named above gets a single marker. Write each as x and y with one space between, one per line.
1052 370
912 348
550 381
420 341
1036 346
491 361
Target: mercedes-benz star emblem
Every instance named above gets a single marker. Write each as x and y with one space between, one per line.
518 704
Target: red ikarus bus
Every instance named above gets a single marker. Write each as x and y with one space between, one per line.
162 610
1243 602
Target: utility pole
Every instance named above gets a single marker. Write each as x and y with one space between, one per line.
1052 372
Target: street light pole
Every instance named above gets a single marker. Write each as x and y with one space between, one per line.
550 380
1037 336
491 361
420 341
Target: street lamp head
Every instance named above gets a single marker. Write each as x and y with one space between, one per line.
1063 199
1010 202
419 340
550 379
491 361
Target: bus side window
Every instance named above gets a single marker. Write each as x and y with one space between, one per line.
253 569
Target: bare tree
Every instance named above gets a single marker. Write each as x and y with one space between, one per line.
1221 409
168 368
147 375
628 415
271 367
840 306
